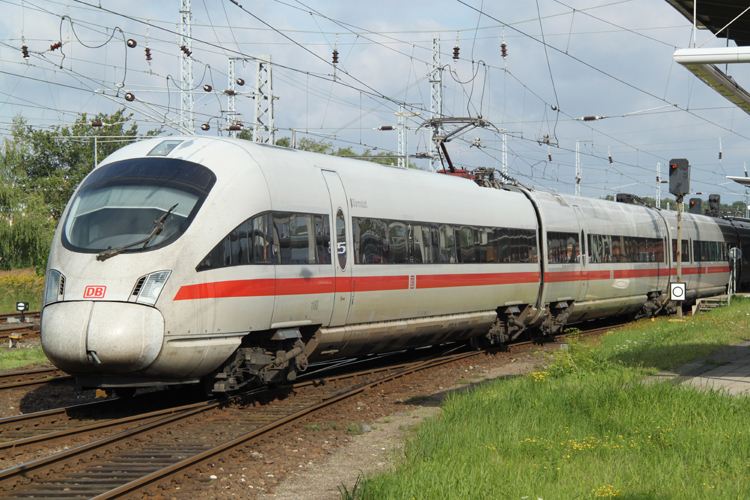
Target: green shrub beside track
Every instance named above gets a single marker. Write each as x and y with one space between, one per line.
20 286
586 427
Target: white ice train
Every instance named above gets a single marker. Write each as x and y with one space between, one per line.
190 259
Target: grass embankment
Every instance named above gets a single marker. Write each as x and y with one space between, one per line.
20 285
585 427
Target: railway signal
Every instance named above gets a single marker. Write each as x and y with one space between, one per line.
679 186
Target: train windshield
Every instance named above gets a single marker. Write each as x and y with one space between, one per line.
121 205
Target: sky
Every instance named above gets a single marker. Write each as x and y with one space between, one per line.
567 59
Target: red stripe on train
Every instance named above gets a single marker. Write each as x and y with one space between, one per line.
303 286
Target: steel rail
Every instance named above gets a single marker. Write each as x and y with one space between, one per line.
198 459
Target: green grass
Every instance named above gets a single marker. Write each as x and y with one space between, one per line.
12 359
20 286
586 427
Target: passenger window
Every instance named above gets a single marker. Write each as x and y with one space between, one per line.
447 245
397 252
323 239
341 238
262 239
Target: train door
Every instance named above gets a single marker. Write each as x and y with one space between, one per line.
341 253
582 260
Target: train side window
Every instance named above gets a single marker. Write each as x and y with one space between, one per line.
421 244
501 236
370 235
397 251
658 250
341 238
562 247
262 239
485 248
282 235
466 253
447 245
434 245
323 239
302 251
685 251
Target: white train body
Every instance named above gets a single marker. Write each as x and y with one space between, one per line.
242 286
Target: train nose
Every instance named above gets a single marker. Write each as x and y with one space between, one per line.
112 337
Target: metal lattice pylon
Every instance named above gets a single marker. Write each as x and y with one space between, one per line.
263 128
231 99
187 120
436 101
403 147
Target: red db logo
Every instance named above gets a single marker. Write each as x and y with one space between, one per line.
94 292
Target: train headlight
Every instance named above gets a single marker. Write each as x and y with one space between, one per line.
152 286
54 288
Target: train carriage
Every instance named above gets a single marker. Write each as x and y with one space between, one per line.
221 261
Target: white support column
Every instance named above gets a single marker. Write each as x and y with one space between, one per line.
505 152
658 184
403 149
231 98
579 169
187 120
264 97
436 100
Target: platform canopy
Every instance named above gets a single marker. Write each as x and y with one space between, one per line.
745 181
713 15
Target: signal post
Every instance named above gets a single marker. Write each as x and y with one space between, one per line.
679 186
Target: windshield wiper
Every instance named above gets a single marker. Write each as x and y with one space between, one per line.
157 229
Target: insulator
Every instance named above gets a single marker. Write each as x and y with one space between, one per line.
129 97
335 56
550 157
386 127
554 108
235 127
230 92
610 160
185 50
455 53
240 82
205 126
97 124
208 88
720 155
504 49
25 51
131 43
590 118
55 46
148 54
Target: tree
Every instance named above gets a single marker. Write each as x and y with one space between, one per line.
39 171
307 144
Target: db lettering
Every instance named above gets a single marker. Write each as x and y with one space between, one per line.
94 292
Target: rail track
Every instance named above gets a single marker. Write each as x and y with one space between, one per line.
133 454
35 315
162 446
30 378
